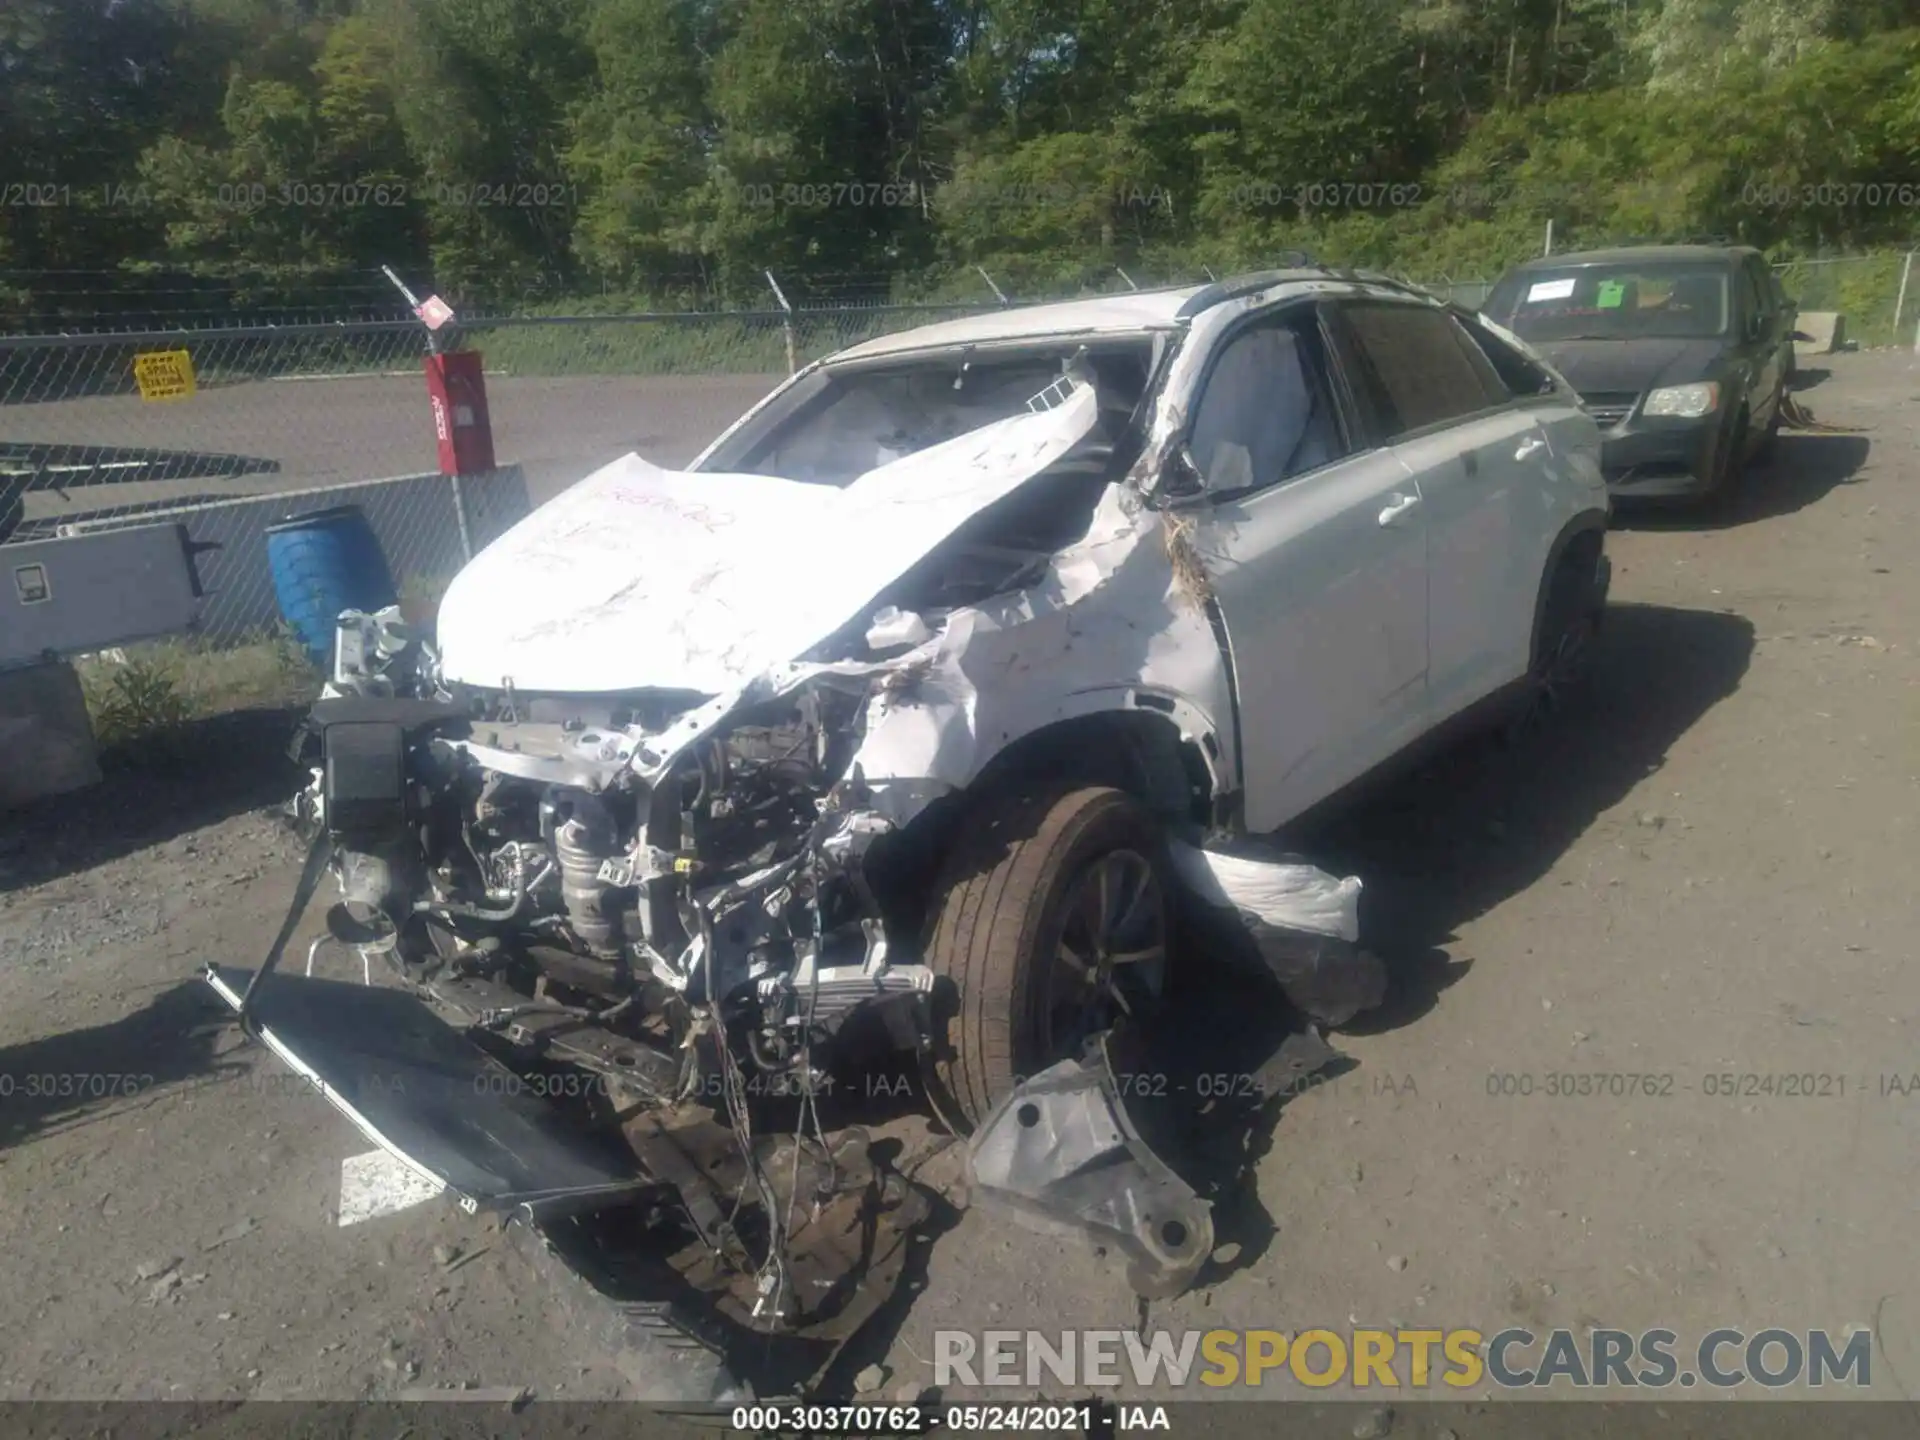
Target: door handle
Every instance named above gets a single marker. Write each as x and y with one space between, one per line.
1529 448
1397 507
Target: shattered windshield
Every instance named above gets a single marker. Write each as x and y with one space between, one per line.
1674 300
836 426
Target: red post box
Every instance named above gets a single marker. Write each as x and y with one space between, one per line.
460 421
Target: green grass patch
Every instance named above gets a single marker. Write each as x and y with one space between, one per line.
149 693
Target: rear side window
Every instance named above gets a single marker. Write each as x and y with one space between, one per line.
1419 366
1517 374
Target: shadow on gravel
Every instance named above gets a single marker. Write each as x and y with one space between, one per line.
1474 826
1802 470
1482 822
62 1080
212 769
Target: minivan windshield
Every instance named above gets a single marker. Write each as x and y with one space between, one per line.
1653 299
837 424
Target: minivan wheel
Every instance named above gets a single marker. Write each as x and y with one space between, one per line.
1770 437
1051 923
1728 467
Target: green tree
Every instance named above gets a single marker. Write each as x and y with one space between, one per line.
1305 103
86 84
1686 42
311 174
483 101
641 137
824 114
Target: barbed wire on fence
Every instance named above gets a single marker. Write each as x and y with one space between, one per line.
81 443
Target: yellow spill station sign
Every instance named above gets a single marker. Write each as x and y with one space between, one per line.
163 374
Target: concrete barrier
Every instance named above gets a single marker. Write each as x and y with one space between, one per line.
46 739
1826 332
418 520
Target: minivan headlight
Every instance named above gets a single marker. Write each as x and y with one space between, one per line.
1689 401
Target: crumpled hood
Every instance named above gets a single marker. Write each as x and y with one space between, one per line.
642 578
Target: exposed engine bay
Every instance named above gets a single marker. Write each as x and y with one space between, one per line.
729 893
652 817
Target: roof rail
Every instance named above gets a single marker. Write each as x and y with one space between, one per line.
1241 285
1293 263
1382 279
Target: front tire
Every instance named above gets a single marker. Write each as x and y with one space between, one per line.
1051 922
1729 467
1770 437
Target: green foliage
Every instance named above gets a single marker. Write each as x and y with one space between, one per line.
146 695
653 149
635 138
139 700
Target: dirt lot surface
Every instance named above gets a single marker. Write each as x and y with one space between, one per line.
1706 873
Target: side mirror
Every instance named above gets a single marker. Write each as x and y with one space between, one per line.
1180 478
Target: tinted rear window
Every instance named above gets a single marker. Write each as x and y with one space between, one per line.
1420 365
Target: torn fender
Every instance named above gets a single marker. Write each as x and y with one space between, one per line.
1109 626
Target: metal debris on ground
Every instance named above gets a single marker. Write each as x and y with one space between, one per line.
237 1231
1795 416
1061 1153
510 1395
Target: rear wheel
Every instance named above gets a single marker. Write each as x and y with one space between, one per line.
1051 924
1563 650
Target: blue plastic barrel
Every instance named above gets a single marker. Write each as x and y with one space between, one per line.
324 563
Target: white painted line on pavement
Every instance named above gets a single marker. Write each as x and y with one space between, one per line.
376 1184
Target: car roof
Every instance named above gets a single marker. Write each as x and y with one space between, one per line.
1133 313
1627 254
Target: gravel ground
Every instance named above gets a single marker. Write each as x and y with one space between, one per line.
1707 871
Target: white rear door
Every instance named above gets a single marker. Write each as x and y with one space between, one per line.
1479 455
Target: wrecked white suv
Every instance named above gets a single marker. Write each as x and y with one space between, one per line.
906 709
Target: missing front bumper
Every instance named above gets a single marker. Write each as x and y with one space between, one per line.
681 1320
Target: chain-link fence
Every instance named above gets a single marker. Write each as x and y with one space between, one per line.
236 411
1871 291
96 427
231 426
